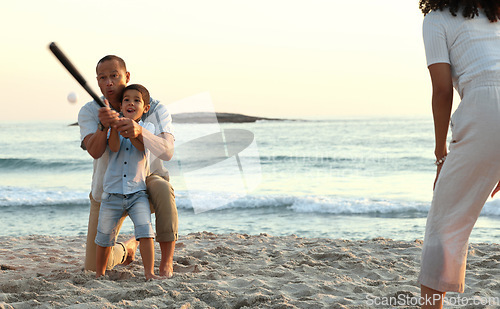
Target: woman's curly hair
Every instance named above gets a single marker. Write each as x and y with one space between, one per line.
469 8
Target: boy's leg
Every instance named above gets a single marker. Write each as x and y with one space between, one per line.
138 209
118 252
148 257
162 200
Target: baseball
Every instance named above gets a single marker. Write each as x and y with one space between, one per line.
72 97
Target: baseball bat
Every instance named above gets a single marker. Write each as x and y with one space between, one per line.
71 69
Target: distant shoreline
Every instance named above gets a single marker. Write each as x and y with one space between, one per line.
207 117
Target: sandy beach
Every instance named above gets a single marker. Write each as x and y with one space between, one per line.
237 271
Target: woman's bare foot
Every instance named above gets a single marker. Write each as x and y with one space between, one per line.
131 247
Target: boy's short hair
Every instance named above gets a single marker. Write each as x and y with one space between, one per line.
144 92
112 57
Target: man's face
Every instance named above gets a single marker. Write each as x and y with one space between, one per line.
112 78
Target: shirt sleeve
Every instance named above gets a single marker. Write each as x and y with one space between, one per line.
434 33
87 120
148 126
161 118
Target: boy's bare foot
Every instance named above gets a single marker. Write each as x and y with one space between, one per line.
131 247
152 277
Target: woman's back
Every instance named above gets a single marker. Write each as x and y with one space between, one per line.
470 45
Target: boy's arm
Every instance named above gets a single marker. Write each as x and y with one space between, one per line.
137 142
114 140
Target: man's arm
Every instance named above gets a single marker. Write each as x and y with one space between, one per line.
162 146
96 143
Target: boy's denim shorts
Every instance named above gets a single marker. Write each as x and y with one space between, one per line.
113 207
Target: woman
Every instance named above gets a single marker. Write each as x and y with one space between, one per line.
462 45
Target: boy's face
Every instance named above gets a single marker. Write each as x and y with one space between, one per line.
133 105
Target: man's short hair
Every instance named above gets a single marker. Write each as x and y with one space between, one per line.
144 92
109 58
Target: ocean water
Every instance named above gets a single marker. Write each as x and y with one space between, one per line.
356 178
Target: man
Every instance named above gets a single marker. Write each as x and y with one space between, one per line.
112 78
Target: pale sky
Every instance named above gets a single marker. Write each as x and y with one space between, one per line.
271 58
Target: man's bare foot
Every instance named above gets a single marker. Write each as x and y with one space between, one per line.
167 259
166 271
131 247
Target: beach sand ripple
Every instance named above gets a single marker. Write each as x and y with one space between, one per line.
232 271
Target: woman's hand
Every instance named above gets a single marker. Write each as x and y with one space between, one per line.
439 163
437 175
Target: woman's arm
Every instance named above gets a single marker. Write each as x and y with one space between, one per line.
442 101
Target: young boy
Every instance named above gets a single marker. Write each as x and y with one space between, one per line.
125 186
